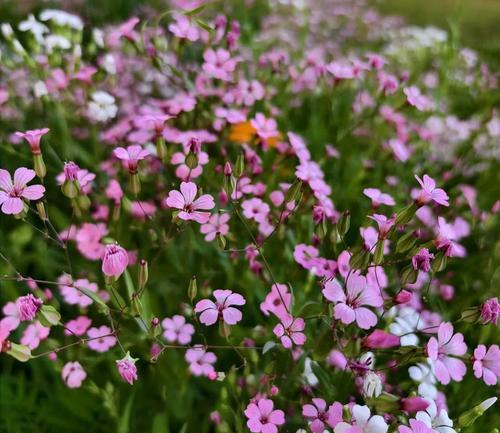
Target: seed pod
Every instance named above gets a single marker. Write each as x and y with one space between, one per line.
192 289
143 274
239 167
406 214
135 183
344 223
221 241
40 207
379 252
39 165
439 262
192 160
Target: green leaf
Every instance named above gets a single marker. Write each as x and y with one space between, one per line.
129 284
48 316
20 352
124 424
204 26
195 11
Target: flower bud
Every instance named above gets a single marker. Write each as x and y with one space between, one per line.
143 274
161 148
409 275
344 223
439 262
413 404
403 297
406 214
135 183
228 169
239 166
191 160
127 369
406 242
39 166
40 207
192 289
115 260
380 339
378 257
372 385
293 192
221 241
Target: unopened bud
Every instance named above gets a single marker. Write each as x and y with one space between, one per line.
191 160
403 297
193 288
161 148
379 252
221 241
239 166
39 165
40 207
406 214
143 274
228 169
293 192
135 183
372 385
406 242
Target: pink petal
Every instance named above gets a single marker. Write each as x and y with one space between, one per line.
344 313
209 317
33 192
252 411
231 315
310 411
265 406
5 180
23 175
12 206
365 318
188 190
175 199
121 153
205 202
203 305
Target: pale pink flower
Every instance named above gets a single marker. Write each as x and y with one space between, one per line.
78 326
190 209
124 30
289 331
384 224
255 209
262 418
486 363
11 320
221 309
114 191
219 64
73 374
182 171
217 224
378 197
277 301
305 255
4 335
350 302
28 306
422 260
318 414
200 361
13 193
102 339
127 369
88 240
415 427
114 261
34 334
266 128
142 209
33 137
442 351
490 310
175 329
430 193
73 296
131 155
184 29
415 98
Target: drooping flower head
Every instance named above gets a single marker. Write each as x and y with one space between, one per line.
13 193
127 369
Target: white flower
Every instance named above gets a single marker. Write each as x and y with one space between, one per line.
56 41
424 374
102 107
372 385
368 359
62 18
309 376
40 89
109 64
35 27
405 324
362 419
440 422
98 37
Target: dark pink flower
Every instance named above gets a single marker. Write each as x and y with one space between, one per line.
262 418
190 209
380 339
318 414
127 369
28 307
430 193
422 260
114 261
33 137
289 331
221 309
13 193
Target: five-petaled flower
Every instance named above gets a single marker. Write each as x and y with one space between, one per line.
221 309
430 193
190 209
290 331
131 156
262 418
13 193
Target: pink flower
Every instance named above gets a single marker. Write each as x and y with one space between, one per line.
200 361
102 339
430 193
218 64
255 209
350 301
176 329
34 334
490 311
305 255
127 369
262 418
73 296
318 414
266 128
384 224
28 307
415 427
70 171
4 335
11 320
413 404
188 206
380 339
415 98
114 261
131 155
289 331
124 30
73 374
217 224
184 29
11 194
447 367
78 326
378 197
277 301
33 137
487 363
221 309
422 260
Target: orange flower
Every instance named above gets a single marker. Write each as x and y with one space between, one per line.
242 132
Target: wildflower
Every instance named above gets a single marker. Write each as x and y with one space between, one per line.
447 367
349 303
380 339
384 224
200 361
486 363
255 209
406 324
362 422
430 193
422 260
34 334
318 414
102 339
437 420
131 155
184 29
127 369
176 329
372 385
217 224
73 294
28 307
221 309
124 30
413 404
490 310
11 320
114 261
78 326
378 197
102 107
289 331
73 374
266 128
190 209
415 98
219 64
262 418
277 301
415 427
13 193
33 137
